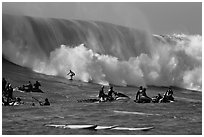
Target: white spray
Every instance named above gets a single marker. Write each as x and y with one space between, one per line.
174 63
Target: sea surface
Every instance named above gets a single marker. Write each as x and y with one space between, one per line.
182 117
100 53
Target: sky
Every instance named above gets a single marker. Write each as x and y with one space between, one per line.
156 17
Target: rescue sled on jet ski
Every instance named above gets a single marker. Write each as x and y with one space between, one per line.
25 89
118 97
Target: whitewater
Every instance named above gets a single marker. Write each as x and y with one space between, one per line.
102 53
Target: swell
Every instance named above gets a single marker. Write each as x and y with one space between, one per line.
103 53
48 34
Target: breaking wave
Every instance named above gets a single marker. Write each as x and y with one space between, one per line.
103 53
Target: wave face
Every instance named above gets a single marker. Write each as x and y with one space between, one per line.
102 53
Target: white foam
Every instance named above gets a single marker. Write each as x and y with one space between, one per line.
135 113
168 65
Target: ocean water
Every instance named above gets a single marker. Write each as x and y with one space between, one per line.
182 117
100 53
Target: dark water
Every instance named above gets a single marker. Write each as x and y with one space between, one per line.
182 117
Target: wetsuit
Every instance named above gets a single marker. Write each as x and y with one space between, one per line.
71 74
110 94
142 97
37 85
4 82
101 95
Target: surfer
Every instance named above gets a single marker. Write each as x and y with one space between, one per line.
110 93
167 97
141 96
138 93
7 102
18 101
71 74
10 91
4 82
37 85
102 95
29 87
46 103
170 94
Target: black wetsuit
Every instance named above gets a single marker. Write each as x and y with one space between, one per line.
142 97
170 95
71 74
37 85
101 94
4 82
10 92
47 103
110 94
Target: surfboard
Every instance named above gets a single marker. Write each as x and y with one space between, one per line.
24 91
95 127
122 98
53 125
135 113
81 126
133 129
74 126
105 127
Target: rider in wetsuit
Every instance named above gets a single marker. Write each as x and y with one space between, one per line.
71 73
141 96
110 93
37 85
102 95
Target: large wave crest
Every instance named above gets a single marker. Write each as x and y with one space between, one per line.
108 54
